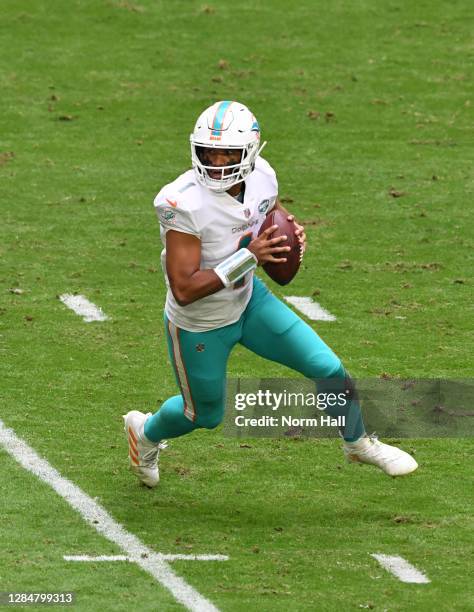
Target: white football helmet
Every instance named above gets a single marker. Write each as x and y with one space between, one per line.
226 125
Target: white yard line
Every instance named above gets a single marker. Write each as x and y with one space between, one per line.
81 306
163 557
312 310
400 568
98 558
100 520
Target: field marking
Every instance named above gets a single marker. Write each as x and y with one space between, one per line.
176 557
81 306
399 567
312 310
100 520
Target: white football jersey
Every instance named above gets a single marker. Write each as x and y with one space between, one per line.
223 225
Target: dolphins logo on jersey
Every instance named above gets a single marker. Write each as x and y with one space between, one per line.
167 215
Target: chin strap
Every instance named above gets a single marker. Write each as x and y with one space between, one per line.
261 148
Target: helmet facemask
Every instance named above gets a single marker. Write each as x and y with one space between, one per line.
230 174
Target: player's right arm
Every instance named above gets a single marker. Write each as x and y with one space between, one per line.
183 257
187 281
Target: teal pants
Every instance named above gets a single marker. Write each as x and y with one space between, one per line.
268 328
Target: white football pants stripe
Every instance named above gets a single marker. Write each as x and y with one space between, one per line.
189 410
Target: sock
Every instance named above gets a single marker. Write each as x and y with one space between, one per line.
169 421
340 383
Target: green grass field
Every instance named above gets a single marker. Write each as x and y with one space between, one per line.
368 110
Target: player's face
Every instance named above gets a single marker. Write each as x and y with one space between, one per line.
219 158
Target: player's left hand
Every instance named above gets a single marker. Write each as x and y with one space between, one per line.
299 233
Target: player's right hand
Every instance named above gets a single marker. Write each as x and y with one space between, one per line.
265 248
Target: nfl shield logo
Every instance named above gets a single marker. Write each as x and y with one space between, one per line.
247 213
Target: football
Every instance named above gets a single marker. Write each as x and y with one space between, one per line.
283 273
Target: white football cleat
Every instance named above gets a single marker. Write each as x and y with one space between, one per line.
392 460
142 453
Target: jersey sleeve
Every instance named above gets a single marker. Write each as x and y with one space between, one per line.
173 214
267 181
263 167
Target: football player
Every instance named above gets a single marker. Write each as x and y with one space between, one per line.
209 218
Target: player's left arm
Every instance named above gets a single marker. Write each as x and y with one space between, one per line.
299 228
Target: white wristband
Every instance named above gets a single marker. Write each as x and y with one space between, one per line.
236 266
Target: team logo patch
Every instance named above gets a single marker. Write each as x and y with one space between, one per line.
200 347
247 213
264 205
167 215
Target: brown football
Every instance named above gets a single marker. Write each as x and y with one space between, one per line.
283 273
